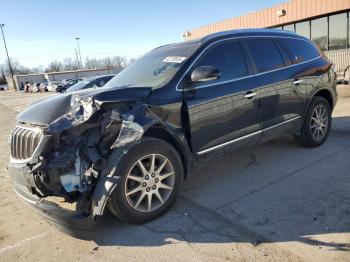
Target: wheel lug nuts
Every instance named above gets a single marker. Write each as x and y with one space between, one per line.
144 184
146 177
157 180
148 189
154 187
153 175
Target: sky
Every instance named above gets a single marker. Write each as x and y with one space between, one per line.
39 31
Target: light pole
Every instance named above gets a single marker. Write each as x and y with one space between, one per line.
81 62
8 57
77 58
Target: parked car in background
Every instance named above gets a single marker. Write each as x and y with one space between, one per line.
129 145
92 82
65 84
35 87
51 86
43 87
27 87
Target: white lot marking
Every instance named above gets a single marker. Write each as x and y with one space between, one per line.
22 242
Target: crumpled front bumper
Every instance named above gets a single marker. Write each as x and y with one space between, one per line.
63 218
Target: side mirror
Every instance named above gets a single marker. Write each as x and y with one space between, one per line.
204 74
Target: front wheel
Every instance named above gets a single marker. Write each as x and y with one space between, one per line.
151 175
317 123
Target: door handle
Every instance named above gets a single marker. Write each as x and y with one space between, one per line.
298 81
250 95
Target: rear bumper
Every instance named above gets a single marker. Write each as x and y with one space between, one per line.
64 218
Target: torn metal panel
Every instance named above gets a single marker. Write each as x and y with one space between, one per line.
130 132
82 108
103 190
134 125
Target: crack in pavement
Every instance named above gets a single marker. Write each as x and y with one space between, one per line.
23 241
283 177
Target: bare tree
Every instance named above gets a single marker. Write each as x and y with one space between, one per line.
92 63
115 62
17 68
69 64
2 71
54 66
2 74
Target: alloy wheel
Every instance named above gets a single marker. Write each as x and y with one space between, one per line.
149 183
319 122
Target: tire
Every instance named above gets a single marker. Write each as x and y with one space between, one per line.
308 137
125 161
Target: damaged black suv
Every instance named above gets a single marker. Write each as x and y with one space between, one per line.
129 145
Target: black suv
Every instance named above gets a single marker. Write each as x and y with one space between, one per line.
129 145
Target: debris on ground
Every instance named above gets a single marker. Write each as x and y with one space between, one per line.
94 250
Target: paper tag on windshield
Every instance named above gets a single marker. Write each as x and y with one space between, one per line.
174 59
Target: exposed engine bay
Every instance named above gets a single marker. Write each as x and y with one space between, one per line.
71 163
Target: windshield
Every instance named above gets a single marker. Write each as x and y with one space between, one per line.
155 68
78 86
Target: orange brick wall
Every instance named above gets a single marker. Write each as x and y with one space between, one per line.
296 10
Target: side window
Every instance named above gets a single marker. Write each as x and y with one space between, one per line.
228 58
300 50
101 82
265 54
284 53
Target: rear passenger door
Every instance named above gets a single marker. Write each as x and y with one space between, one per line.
274 77
223 113
305 74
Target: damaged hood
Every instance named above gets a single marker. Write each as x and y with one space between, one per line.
50 110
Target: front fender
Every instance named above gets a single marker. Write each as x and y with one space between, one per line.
140 122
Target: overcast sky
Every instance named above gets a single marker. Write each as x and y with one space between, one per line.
39 31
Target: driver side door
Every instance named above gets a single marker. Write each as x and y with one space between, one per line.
222 113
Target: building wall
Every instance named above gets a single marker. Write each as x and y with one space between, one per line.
79 74
296 10
22 79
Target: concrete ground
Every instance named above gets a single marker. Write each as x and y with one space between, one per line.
276 202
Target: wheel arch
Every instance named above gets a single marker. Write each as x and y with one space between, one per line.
157 131
326 94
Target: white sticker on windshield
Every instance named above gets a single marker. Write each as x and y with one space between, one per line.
174 59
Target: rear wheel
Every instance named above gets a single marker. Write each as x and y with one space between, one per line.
151 175
317 123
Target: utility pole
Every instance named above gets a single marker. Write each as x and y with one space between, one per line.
8 57
76 55
81 61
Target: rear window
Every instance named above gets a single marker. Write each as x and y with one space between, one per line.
301 50
265 54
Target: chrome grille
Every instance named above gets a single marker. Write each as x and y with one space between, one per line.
24 141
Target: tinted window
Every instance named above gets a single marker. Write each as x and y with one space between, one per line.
284 53
228 58
97 83
303 29
338 31
300 50
265 54
78 86
319 32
